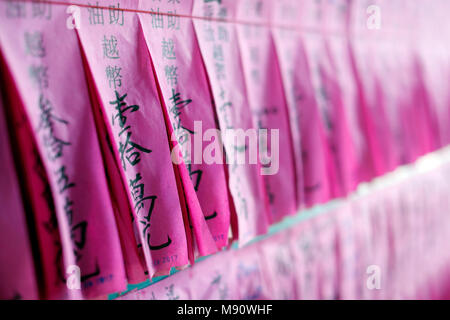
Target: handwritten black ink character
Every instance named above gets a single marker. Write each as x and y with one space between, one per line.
41 10
173 1
157 19
168 49
39 75
171 75
115 15
173 20
114 77
177 103
47 115
53 144
211 216
110 49
95 14
218 1
146 232
78 234
137 191
196 176
15 9
131 151
96 272
63 180
34 44
121 107
68 209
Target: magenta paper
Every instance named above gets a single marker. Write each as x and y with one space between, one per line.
16 259
329 99
373 102
351 126
120 66
72 161
303 111
36 190
219 48
363 167
267 105
284 41
184 89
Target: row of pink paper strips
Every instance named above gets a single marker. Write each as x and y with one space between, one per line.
98 103
389 244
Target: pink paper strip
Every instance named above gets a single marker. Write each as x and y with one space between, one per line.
268 106
16 257
220 52
119 63
71 161
187 101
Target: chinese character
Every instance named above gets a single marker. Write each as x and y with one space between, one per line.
114 76
130 151
133 156
110 49
220 70
223 13
170 294
15 9
80 241
53 144
218 52
63 180
173 21
39 75
115 15
68 209
171 75
138 197
41 10
34 43
119 102
177 103
157 19
168 49
95 14
222 33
